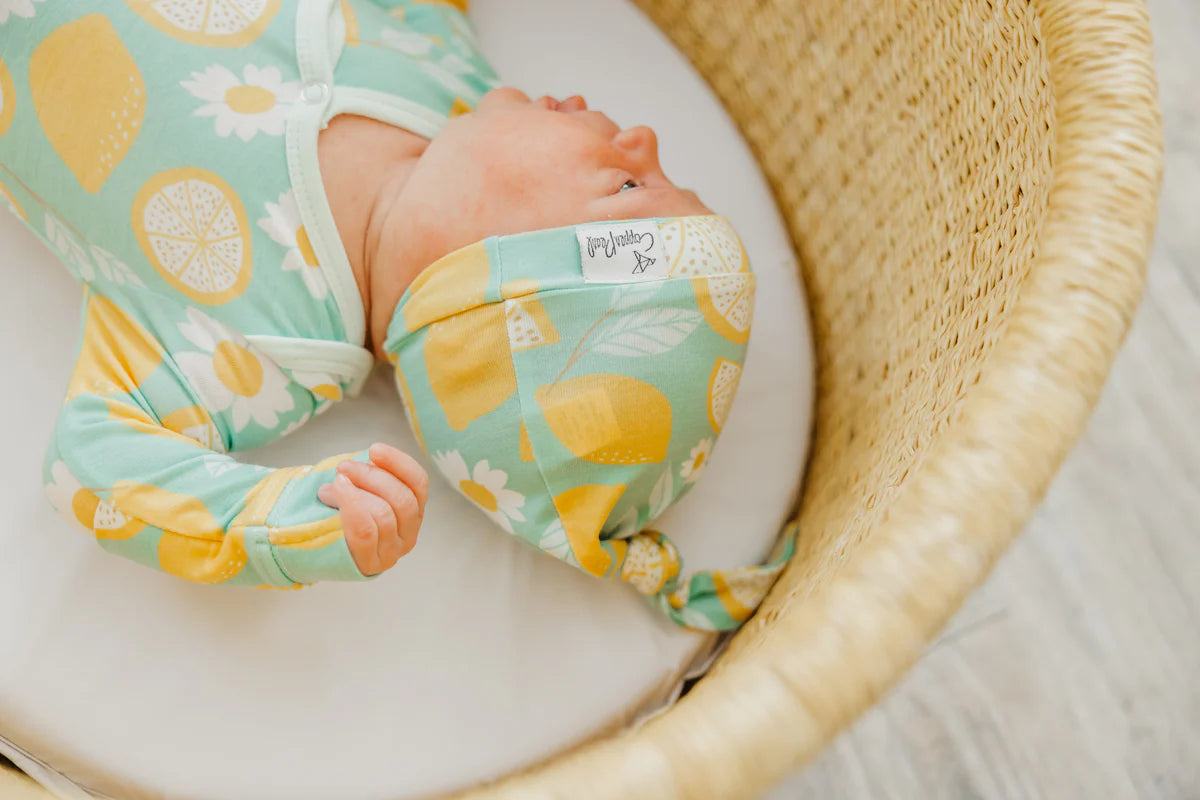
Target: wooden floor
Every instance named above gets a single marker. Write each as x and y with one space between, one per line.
1075 672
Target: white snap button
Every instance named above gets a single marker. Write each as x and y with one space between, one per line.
314 92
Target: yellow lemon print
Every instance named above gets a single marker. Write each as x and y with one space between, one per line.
194 423
742 590
525 446
608 419
469 364
583 511
352 39
102 518
727 302
193 229
192 546
702 246
650 562
184 514
453 283
89 97
529 325
6 199
8 99
410 406
722 386
518 288
201 560
117 354
209 23
461 5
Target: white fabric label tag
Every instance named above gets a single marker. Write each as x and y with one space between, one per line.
621 252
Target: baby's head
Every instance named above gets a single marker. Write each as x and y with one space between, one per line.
570 363
515 165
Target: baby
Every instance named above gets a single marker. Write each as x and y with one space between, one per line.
262 199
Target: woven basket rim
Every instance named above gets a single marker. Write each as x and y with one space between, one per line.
1032 403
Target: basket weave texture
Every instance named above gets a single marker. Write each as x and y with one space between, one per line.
971 188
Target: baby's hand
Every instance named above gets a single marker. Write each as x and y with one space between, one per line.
382 504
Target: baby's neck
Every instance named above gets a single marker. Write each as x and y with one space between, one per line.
364 166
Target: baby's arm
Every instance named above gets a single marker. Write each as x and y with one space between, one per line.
132 458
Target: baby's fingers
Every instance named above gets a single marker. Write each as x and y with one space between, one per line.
404 467
403 505
366 520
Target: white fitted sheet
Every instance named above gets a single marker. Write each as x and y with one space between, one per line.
475 656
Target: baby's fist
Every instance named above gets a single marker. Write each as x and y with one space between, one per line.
381 503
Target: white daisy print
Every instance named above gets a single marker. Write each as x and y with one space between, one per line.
697 461
284 226
407 42
18 8
484 487
112 268
258 102
68 247
231 376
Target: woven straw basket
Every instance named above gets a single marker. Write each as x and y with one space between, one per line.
971 189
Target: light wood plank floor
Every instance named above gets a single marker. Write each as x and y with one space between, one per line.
1075 671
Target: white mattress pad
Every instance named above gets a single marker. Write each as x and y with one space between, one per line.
476 655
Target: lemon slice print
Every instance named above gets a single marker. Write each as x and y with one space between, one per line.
89 97
608 419
193 229
727 302
209 23
100 517
8 98
702 246
742 590
10 202
529 325
722 386
650 562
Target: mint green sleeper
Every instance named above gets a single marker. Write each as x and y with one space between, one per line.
171 162
570 383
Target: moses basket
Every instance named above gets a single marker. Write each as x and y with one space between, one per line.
970 186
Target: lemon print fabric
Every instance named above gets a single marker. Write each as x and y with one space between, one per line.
9 202
722 387
89 96
708 250
150 144
573 415
193 230
211 23
8 98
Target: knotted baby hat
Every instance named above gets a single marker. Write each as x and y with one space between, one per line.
571 384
